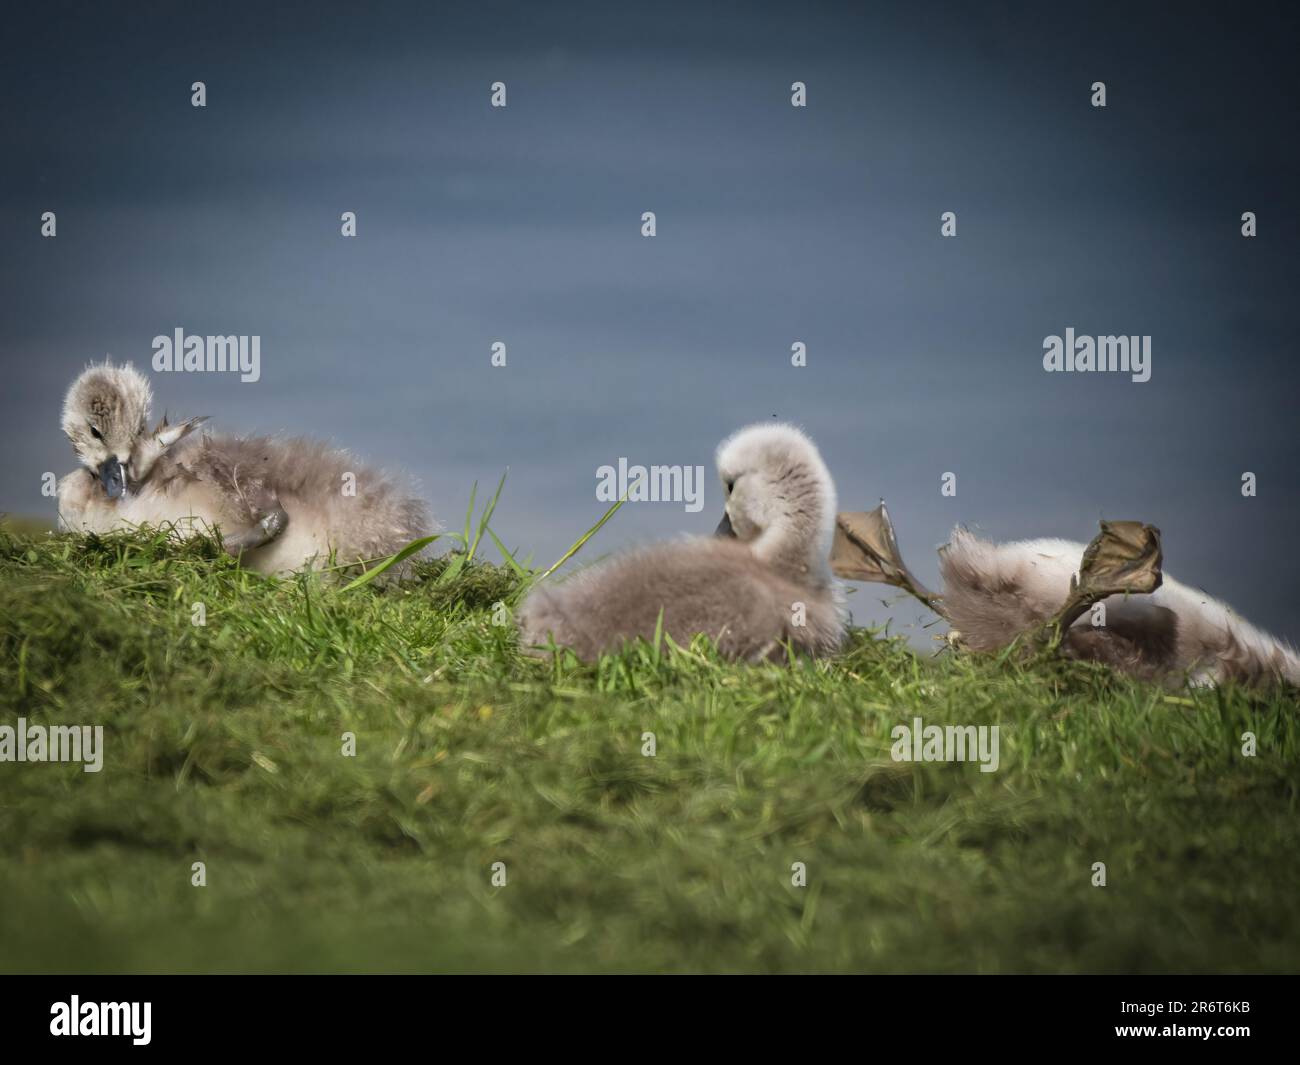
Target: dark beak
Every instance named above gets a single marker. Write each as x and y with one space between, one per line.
113 478
724 527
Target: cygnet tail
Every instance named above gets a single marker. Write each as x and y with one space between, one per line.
991 592
1235 649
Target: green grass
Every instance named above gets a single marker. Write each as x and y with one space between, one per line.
223 745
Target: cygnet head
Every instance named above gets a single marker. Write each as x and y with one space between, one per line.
105 413
106 416
780 498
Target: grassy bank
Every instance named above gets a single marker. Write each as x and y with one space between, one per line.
223 745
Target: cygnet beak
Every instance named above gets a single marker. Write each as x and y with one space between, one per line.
112 475
724 528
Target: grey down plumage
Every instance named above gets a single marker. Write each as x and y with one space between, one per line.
763 583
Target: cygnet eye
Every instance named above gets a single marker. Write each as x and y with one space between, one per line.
95 433
730 485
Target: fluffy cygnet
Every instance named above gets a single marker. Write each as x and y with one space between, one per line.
765 579
280 503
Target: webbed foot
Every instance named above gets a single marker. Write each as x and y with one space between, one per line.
866 549
265 529
1125 558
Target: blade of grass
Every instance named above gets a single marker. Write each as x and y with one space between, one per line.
390 562
452 571
509 559
587 535
469 512
487 514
